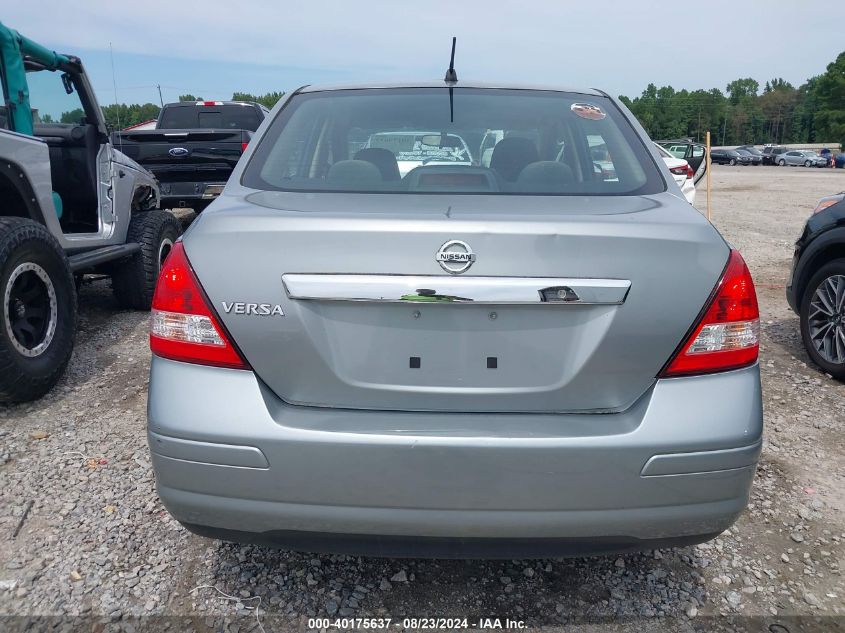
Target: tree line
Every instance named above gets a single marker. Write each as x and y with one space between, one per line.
122 115
814 112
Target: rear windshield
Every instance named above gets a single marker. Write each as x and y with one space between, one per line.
468 140
226 117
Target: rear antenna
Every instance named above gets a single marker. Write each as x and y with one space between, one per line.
451 75
451 79
116 104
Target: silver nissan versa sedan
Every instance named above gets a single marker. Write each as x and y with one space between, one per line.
549 354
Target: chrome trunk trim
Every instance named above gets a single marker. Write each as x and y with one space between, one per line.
439 289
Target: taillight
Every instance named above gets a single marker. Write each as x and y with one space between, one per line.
683 170
183 326
244 146
829 201
726 336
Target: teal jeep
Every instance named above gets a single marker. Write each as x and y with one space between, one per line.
70 204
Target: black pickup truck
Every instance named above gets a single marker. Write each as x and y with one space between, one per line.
193 148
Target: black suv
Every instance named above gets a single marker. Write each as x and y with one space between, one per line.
771 153
816 286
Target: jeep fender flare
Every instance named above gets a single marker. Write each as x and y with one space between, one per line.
17 178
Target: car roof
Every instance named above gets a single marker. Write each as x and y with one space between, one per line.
440 84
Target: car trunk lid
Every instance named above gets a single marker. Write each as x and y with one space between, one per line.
371 320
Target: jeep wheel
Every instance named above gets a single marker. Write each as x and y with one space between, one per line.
134 280
823 318
38 310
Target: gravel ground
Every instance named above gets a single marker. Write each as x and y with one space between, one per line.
95 545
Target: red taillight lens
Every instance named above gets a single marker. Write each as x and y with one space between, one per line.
829 201
183 326
683 170
244 146
726 336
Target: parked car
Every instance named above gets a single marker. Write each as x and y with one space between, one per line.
70 204
691 151
816 286
771 153
528 349
813 159
795 158
753 159
729 157
827 155
193 148
681 172
751 150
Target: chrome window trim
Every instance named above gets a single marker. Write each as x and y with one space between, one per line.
442 289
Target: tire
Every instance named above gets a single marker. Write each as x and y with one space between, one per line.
807 163
782 163
134 280
732 162
38 320
825 347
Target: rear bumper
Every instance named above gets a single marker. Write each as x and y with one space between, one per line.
445 547
233 461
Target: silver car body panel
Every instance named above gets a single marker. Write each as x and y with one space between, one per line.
465 83
313 355
32 157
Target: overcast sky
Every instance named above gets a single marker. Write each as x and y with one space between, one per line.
214 47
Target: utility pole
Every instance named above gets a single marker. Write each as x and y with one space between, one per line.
698 129
159 95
